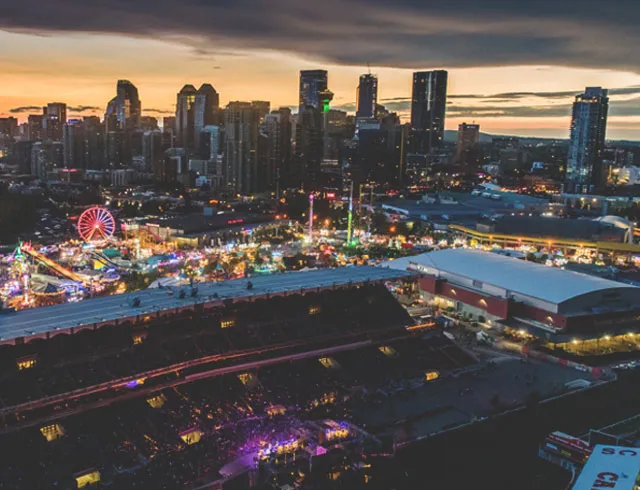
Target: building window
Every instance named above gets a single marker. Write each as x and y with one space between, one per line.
26 362
431 375
157 401
477 284
52 432
314 310
90 478
228 323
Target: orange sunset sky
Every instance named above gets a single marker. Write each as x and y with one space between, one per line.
81 69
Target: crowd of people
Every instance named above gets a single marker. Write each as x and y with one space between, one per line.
67 362
181 437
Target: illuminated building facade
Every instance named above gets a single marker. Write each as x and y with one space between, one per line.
312 83
367 96
585 173
241 155
185 117
428 108
468 141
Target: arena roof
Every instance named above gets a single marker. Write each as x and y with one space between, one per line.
527 278
40 321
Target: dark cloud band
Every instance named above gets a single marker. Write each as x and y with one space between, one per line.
402 33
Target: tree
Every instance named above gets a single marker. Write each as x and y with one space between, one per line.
18 214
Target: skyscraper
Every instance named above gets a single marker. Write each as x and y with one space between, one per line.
46 158
588 129
367 96
206 102
309 147
185 117
129 107
8 127
241 149
94 140
428 107
263 107
148 123
312 82
468 141
278 132
35 124
73 142
152 153
55 116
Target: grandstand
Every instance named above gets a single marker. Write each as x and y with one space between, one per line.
44 323
171 401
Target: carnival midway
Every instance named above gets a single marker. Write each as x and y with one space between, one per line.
97 254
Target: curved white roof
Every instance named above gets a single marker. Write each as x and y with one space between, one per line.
519 276
616 221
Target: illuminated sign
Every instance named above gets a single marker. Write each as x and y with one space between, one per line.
611 467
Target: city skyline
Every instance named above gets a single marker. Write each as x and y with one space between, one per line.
513 99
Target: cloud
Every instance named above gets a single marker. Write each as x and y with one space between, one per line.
512 105
349 107
402 33
84 108
157 111
26 108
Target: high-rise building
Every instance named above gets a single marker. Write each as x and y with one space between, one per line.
94 140
55 116
20 155
367 96
169 123
241 148
588 129
468 142
152 153
312 82
148 123
128 106
46 157
428 107
8 127
263 107
185 117
73 139
111 116
211 141
378 154
35 127
117 150
309 147
277 126
206 103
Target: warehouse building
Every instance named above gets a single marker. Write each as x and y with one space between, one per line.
548 302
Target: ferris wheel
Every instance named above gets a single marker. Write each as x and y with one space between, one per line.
96 224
